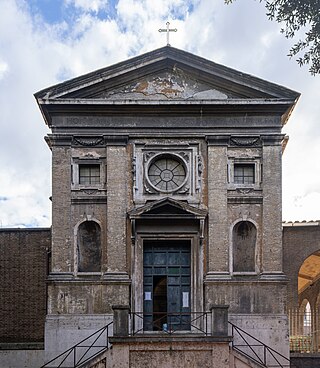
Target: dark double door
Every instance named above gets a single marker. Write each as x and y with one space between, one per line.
166 285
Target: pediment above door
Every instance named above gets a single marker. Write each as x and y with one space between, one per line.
167 208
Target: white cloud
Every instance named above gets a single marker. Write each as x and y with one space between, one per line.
3 68
35 55
87 5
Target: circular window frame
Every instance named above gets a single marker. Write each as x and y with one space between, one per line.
173 157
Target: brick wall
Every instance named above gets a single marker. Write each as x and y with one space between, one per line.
23 271
299 242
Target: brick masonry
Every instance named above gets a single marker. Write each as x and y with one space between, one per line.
23 270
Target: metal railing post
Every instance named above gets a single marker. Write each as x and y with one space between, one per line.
74 356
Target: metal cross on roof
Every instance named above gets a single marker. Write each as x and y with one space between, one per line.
167 30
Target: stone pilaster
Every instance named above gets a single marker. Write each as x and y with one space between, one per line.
117 179
218 254
272 206
62 257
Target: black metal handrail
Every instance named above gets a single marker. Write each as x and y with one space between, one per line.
70 356
269 357
170 323
248 345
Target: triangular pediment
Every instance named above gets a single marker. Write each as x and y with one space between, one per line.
167 207
165 74
165 85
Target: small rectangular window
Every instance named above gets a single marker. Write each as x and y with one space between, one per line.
89 174
244 174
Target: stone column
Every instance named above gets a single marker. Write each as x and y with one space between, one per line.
218 249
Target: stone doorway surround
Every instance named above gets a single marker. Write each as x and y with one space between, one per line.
165 220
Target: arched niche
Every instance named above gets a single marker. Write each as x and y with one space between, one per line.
244 237
308 278
89 247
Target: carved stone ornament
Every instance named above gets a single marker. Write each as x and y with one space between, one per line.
184 190
184 155
199 172
88 141
148 155
148 190
134 170
245 190
245 141
90 191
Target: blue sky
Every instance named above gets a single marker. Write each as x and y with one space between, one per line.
57 11
44 42
53 11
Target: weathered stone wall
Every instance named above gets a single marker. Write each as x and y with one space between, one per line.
85 297
65 330
169 352
245 296
23 271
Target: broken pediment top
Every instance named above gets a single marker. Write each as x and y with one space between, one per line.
169 207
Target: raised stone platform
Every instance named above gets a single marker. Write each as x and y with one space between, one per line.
156 351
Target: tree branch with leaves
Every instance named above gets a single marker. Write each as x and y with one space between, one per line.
296 16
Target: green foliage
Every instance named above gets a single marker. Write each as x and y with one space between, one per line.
297 16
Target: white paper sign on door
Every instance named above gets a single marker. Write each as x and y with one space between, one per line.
147 295
185 299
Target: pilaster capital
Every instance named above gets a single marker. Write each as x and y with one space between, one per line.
218 140
272 140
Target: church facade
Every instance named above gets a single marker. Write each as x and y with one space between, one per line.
166 199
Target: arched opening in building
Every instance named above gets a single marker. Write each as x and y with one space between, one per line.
244 246
89 247
308 277
307 319
304 321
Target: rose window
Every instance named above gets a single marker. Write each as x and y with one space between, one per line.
167 173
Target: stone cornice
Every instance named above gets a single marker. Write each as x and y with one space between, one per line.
272 140
86 141
218 140
104 107
58 140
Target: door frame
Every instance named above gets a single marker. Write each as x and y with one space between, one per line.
196 253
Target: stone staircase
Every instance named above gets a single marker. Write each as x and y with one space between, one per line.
178 352
236 360
214 348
